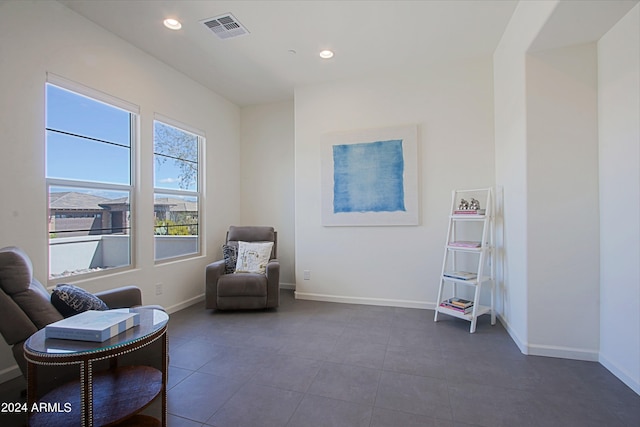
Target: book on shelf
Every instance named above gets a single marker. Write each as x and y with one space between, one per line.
465 244
469 211
460 302
453 307
462 275
92 325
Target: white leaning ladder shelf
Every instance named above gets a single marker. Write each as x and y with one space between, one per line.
471 260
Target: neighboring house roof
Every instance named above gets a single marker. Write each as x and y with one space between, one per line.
116 205
120 201
73 200
82 201
176 205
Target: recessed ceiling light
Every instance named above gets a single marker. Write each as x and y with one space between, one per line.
172 24
326 54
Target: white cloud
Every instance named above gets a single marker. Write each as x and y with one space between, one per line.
168 180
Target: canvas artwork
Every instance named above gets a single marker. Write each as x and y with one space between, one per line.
370 177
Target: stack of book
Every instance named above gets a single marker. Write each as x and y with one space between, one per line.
469 211
458 304
461 275
465 244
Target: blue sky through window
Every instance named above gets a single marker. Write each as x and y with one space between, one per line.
88 140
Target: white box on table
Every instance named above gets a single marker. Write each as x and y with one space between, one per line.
92 325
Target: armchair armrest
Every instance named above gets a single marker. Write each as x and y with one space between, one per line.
212 274
273 268
123 297
273 283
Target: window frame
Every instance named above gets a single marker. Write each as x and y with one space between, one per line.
131 188
198 193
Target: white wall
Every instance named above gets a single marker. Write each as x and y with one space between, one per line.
546 160
551 108
266 178
619 133
546 147
562 202
511 163
41 37
398 266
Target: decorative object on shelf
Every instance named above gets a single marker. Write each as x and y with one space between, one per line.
370 177
474 204
469 208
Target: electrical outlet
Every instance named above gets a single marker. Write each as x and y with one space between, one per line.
158 288
307 275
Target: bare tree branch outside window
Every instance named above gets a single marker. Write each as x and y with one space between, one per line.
181 148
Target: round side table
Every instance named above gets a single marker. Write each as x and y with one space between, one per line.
111 396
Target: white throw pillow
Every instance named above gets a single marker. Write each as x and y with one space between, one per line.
253 257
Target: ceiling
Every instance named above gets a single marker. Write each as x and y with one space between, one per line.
368 37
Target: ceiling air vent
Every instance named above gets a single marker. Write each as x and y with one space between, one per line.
225 26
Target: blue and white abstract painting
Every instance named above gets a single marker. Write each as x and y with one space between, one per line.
368 177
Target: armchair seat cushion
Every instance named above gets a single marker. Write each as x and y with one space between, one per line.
242 284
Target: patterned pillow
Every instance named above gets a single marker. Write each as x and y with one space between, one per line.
70 300
230 254
253 257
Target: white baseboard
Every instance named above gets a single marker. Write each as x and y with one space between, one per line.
7 374
185 304
513 334
365 301
549 350
563 352
622 375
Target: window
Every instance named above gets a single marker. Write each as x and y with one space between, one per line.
90 138
176 189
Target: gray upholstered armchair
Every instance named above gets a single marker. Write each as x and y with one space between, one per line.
25 304
240 290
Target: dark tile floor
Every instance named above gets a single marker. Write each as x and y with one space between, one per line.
324 364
